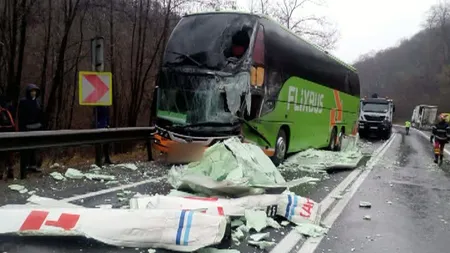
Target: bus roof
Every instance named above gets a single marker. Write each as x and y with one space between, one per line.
283 27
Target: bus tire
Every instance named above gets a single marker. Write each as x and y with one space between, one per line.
280 148
332 141
338 146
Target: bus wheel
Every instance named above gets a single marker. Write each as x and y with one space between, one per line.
332 142
280 148
338 146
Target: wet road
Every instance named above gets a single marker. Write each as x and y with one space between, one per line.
410 211
148 179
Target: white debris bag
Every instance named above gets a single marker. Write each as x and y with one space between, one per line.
294 208
299 209
184 231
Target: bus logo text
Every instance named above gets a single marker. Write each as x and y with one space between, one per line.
306 101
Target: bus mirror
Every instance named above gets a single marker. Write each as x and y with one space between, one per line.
257 76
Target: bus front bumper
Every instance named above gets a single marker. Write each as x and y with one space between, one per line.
182 152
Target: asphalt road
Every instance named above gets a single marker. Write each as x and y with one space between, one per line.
148 179
410 198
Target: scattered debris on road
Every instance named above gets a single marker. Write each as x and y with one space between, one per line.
367 217
311 230
130 166
74 174
306 161
57 176
229 185
365 204
17 187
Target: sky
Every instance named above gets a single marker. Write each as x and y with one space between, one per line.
367 25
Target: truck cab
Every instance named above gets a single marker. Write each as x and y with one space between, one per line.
375 117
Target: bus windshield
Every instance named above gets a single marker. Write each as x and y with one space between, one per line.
207 40
194 99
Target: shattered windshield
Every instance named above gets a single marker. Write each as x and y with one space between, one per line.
206 40
193 99
375 107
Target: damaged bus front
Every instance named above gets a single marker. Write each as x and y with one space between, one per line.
236 74
204 86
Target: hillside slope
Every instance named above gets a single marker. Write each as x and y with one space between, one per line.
414 72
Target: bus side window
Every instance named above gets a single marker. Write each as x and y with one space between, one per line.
258 48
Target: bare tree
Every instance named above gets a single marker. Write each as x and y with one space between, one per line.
438 20
315 28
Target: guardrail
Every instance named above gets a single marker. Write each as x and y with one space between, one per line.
20 141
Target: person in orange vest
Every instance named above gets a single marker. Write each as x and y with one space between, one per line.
441 136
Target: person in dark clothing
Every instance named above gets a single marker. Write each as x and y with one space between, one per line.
6 125
440 133
30 119
103 122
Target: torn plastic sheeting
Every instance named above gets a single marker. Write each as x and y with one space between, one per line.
184 231
230 168
295 208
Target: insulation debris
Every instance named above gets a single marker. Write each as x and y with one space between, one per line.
307 160
74 174
18 188
311 230
57 176
130 166
231 168
262 245
256 220
259 236
99 177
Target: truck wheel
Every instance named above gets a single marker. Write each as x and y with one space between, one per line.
362 135
387 134
332 141
280 148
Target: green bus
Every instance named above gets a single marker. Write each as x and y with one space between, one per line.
230 74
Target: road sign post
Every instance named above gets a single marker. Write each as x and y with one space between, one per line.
97 64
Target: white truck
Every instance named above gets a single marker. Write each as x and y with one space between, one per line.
375 117
424 116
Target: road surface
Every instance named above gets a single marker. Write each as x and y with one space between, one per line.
409 197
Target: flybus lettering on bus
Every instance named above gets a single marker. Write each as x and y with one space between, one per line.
305 100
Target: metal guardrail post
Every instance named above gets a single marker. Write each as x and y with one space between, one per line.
23 164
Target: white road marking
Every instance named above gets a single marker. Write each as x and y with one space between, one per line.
311 244
292 238
113 189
